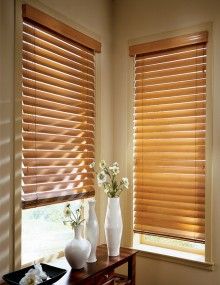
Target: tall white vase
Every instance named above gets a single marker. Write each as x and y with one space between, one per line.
113 226
78 250
92 231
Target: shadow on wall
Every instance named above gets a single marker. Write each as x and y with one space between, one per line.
6 131
5 181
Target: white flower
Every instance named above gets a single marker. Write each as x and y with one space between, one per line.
67 211
114 169
102 164
115 164
42 274
101 177
30 278
92 165
125 182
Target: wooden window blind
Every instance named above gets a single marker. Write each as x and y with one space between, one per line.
169 137
58 113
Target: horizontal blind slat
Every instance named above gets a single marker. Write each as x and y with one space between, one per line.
49 80
55 178
170 65
179 70
165 217
172 212
181 53
165 80
54 170
29 145
171 86
39 87
48 71
30 119
171 114
171 100
161 231
167 190
45 130
40 59
32 136
87 103
184 163
193 228
58 162
170 204
56 106
62 185
177 127
56 114
170 93
168 169
174 106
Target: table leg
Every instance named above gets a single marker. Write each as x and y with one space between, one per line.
132 269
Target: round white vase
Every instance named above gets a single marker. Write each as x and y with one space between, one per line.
113 226
78 250
92 231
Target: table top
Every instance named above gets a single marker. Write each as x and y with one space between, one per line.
103 263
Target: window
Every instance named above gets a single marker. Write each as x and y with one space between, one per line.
58 114
170 138
43 232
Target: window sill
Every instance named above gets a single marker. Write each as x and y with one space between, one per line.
174 256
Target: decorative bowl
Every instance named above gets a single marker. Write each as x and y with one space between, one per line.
53 273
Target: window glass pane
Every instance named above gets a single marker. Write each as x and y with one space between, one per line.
43 231
176 244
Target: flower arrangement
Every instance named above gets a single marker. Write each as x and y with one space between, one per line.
34 276
107 178
73 218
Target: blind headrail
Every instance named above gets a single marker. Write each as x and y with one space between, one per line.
39 17
166 44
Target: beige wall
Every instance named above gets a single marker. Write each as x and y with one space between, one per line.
92 17
6 129
145 18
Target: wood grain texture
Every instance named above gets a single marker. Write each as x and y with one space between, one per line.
58 117
166 44
169 137
102 271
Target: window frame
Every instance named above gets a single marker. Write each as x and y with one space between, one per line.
135 239
17 124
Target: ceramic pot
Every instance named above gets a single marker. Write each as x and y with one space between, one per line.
92 231
113 226
78 250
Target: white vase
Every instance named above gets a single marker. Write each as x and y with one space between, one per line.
113 226
92 231
78 250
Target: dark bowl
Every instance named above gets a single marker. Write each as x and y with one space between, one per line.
53 273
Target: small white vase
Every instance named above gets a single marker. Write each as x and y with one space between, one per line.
78 250
113 226
92 231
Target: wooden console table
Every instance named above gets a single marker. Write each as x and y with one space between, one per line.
101 272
